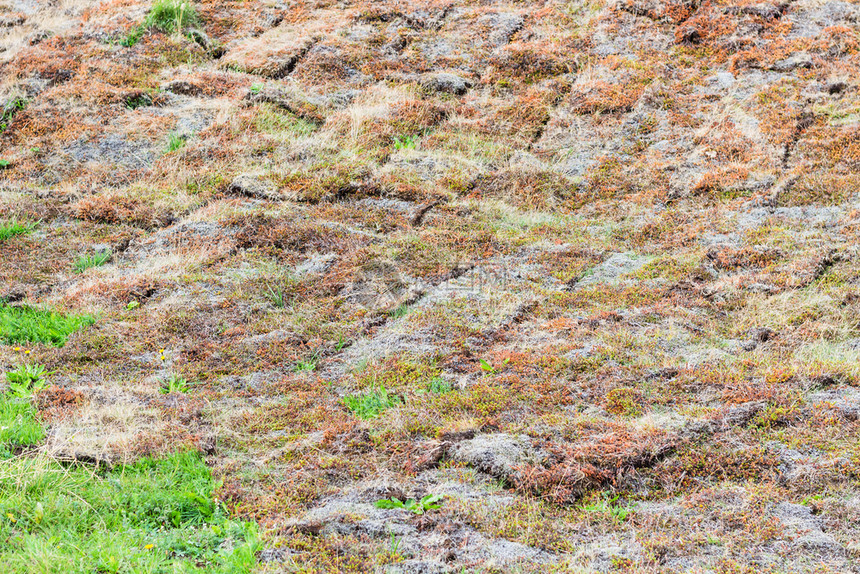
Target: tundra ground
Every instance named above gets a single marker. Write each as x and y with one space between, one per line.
586 273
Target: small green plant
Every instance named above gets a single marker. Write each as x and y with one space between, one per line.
812 500
85 262
133 37
400 311
171 16
309 364
277 296
439 386
406 142
9 110
394 542
624 401
4 163
711 539
174 142
429 502
371 404
256 88
490 369
30 325
138 101
341 343
174 384
27 380
14 227
607 507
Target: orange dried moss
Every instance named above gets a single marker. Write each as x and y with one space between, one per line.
572 469
56 403
117 208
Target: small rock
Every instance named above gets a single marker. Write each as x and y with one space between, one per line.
496 454
273 555
502 26
748 345
761 334
587 350
447 83
416 567
253 186
798 60
723 79
182 88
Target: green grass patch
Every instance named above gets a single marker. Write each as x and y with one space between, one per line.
608 507
14 227
171 16
31 325
371 404
85 262
154 516
308 364
439 386
19 425
175 142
